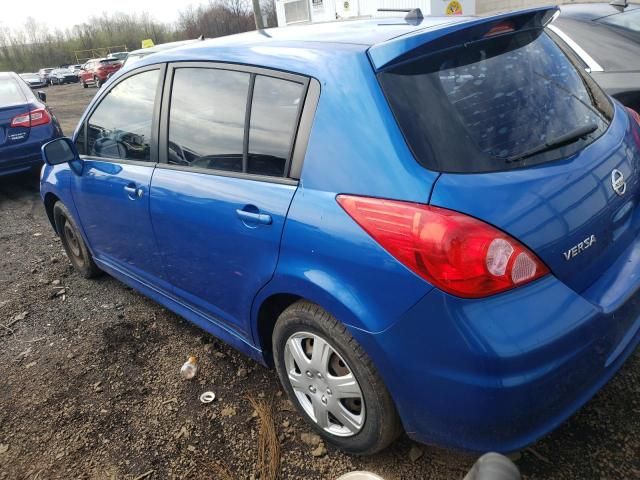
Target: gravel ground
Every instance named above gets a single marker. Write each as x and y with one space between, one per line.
89 384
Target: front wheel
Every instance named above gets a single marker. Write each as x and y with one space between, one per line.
332 382
73 242
84 85
98 82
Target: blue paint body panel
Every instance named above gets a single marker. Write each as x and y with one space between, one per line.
492 373
554 206
20 146
117 226
213 259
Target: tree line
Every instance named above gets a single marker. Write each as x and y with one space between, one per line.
36 46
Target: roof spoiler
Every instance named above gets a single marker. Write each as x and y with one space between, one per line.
428 40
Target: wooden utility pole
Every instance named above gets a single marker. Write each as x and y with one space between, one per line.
257 14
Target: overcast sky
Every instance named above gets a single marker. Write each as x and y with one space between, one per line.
66 13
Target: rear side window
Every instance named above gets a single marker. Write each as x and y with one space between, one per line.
494 105
274 113
120 127
206 118
10 92
208 121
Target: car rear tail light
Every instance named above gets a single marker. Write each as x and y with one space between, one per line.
454 252
36 117
636 131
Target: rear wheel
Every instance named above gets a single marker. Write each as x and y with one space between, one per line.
73 242
332 382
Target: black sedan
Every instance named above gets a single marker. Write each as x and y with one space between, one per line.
606 38
61 76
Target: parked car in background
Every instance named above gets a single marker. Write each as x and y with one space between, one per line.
449 245
76 69
60 76
122 56
26 123
43 73
606 39
33 80
136 55
97 71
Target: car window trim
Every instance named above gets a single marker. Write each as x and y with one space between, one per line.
230 174
153 141
247 124
305 115
305 124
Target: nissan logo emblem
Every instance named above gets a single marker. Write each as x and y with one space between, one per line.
617 182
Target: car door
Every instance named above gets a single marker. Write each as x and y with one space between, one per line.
118 145
220 195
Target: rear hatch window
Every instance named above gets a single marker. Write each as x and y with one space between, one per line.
501 103
12 103
10 92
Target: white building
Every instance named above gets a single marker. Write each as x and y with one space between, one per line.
304 11
291 12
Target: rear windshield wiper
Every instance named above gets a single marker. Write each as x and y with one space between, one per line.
565 139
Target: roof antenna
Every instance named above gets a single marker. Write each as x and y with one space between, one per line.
415 13
619 4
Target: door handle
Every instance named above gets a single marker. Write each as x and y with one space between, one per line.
133 192
254 217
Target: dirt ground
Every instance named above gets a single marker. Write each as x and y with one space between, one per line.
89 383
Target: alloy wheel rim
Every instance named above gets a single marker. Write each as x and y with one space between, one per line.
324 384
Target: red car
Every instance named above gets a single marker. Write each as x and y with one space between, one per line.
97 71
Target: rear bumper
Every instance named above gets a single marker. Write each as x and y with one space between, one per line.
19 165
22 157
496 374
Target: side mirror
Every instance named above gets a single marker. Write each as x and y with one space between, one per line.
42 96
58 151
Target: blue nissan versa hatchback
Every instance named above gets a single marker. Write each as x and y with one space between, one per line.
26 123
423 224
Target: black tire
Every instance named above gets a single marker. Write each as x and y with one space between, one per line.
84 85
97 82
381 422
73 242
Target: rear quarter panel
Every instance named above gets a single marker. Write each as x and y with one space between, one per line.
355 147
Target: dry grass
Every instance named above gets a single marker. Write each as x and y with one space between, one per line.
268 444
221 472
